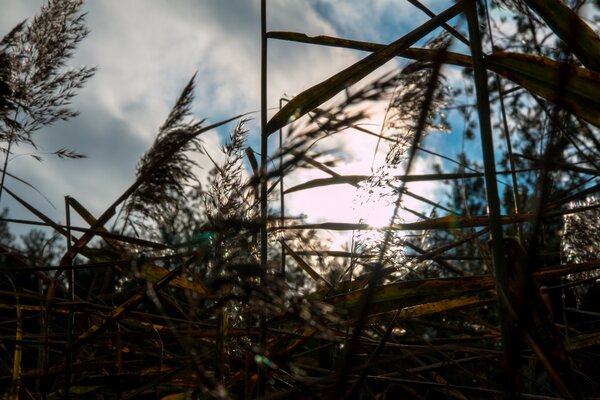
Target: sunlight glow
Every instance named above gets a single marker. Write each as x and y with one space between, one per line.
374 206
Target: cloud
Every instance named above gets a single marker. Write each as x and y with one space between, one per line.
378 20
145 53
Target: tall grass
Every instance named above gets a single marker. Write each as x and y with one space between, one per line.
185 297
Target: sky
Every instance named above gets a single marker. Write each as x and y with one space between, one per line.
146 51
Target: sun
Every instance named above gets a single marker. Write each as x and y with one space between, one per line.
369 201
344 204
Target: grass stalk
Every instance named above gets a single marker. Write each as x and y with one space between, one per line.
15 386
71 320
260 389
493 202
376 275
10 142
281 195
313 97
511 161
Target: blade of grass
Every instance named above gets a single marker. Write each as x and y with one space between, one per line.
411 53
447 27
354 180
567 25
28 185
443 223
121 311
320 93
333 253
444 306
304 265
315 163
411 293
506 131
542 76
71 317
509 344
535 73
264 205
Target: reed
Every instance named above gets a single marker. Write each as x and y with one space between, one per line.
185 296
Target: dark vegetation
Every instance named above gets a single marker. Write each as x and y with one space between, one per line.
213 292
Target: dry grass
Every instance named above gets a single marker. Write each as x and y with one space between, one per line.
177 303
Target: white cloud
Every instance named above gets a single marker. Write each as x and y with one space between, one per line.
147 50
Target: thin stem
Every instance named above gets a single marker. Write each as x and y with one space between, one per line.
447 27
71 321
281 194
515 190
260 390
376 275
10 142
493 202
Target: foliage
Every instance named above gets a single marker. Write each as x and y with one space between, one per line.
36 88
177 304
155 198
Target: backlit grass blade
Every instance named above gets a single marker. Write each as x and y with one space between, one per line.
579 37
410 293
443 223
354 180
320 93
304 265
536 73
411 53
442 306
541 76
429 296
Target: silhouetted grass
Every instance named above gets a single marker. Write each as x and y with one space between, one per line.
188 298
